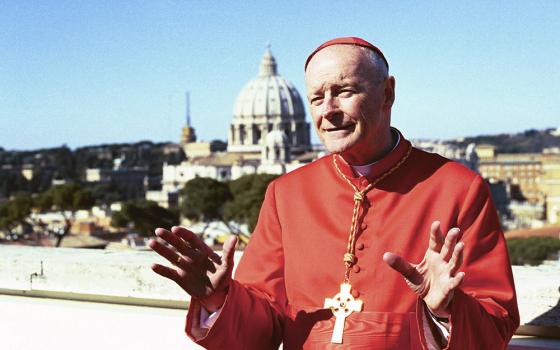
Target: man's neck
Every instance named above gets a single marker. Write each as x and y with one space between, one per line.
386 148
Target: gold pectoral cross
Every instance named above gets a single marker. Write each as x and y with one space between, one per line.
342 305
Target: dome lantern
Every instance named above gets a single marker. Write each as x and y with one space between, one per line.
268 64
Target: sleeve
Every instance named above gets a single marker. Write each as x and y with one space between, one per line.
435 332
484 312
253 314
207 319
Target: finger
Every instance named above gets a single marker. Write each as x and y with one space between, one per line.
456 281
195 242
172 274
403 267
166 272
456 258
436 237
184 263
449 244
178 238
229 251
179 244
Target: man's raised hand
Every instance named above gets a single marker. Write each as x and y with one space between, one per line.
436 276
198 269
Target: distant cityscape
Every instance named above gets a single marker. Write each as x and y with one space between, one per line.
268 134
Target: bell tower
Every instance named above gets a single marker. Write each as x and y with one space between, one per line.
188 134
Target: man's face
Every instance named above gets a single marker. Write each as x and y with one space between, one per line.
350 104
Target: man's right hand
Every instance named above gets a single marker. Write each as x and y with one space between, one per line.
198 269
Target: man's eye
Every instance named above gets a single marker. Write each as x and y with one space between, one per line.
345 93
316 100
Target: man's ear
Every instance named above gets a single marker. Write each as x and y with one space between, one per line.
389 92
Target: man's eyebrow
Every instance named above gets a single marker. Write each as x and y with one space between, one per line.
315 90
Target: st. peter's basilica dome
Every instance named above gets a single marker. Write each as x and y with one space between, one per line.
266 103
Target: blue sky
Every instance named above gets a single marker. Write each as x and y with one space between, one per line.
91 72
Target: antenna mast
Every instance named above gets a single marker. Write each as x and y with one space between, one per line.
188 109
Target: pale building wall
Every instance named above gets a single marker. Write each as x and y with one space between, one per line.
27 174
239 170
197 149
485 151
176 176
553 210
160 197
523 169
93 175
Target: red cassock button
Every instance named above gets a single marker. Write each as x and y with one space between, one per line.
356 268
355 293
360 246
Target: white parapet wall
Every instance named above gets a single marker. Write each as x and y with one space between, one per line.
538 296
115 295
63 298
112 276
84 274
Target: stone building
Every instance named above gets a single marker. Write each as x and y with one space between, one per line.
521 169
536 175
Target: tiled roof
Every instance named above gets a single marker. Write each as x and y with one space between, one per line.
548 231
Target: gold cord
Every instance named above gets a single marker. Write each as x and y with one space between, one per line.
359 197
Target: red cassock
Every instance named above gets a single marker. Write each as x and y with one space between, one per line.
295 260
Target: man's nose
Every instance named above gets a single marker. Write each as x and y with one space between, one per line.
330 108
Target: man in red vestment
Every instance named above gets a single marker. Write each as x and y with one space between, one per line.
378 245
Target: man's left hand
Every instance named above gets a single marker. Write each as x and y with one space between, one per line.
436 276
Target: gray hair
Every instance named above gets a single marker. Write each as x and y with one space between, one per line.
377 62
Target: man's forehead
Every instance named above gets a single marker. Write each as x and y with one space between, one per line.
335 61
348 42
339 52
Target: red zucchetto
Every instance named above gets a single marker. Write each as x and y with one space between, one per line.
350 40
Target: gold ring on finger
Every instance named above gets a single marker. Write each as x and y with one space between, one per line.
179 258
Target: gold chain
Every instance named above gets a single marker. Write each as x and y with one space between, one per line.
359 196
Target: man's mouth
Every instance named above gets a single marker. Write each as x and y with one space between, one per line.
339 128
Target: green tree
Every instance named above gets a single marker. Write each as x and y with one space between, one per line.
144 216
248 194
15 212
204 199
67 200
11 183
106 193
218 146
65 163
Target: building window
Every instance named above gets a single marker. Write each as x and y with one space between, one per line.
242 134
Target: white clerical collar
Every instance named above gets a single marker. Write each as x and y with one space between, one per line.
365 170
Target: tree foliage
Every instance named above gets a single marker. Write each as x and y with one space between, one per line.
248 194
529 141
218 146
66 199
15 212
144 217
204 199
11 182
532 250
